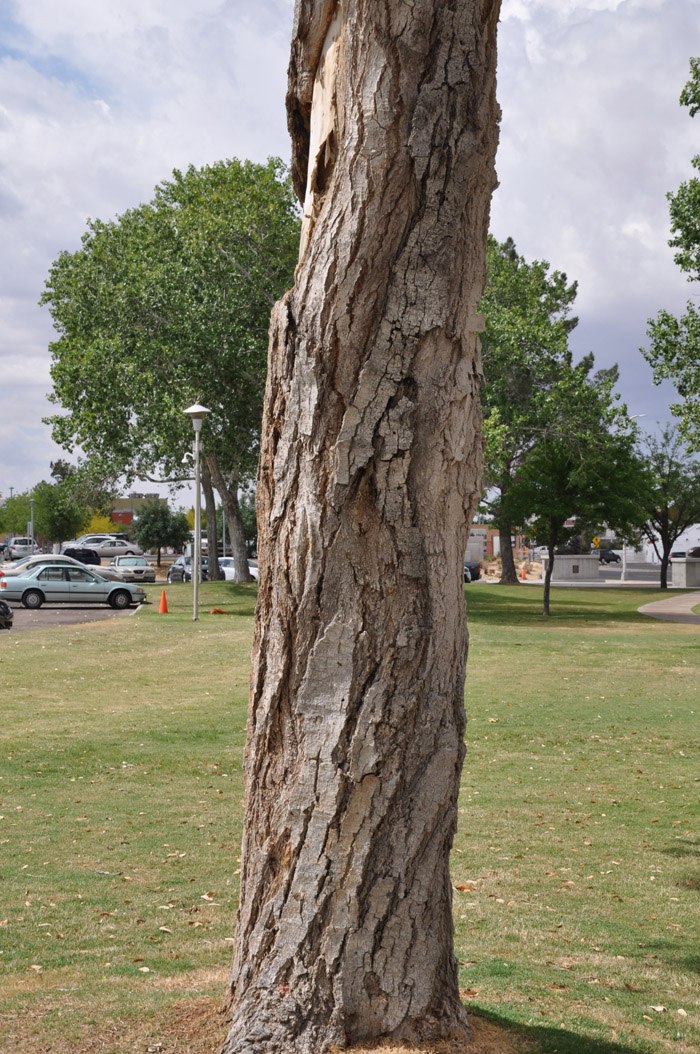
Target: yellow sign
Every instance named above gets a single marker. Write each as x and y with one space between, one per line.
596 542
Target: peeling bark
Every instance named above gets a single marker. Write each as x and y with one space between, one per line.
369 476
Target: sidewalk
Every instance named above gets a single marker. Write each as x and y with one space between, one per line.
674 609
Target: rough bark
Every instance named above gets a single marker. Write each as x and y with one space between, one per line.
228 492
213 573
369 476
508 573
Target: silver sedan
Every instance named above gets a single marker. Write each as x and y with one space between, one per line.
65 584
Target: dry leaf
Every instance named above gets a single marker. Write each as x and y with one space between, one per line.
144 969
658 1009
165 929
464 888
682 1012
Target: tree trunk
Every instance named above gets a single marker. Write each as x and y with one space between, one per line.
228 492
665 556
509 575
369 476
548 577
213 572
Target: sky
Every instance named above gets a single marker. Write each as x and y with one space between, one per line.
101 99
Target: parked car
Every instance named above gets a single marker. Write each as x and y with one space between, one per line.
82 554
18 547
97 536
678 554
474 570
694 553
61 584
133 569
27 562
181 569
608 556
6 615
228 567
110 547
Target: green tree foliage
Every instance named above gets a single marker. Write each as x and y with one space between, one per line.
15 513
157 527
674 349
584 466
166 305
525 349
672 501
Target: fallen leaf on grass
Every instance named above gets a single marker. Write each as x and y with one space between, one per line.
164 929
658 1009
633 988
468 993
466 888
682 1012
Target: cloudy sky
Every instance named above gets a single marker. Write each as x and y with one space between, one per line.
101 99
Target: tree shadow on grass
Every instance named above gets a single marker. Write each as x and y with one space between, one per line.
522 605
547 1039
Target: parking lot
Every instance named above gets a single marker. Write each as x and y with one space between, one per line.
62 615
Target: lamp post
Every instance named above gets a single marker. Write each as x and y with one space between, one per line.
196 415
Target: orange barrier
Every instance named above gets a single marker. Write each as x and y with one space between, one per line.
163 609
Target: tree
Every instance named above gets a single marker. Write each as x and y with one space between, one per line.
672 501
157 526
369 475
167 305
674 351
525 349
584 468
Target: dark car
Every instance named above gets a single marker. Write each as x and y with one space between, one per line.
6 615
608 556
181 569
79 552
474 570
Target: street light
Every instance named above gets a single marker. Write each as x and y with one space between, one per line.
196 415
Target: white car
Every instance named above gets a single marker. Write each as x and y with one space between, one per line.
228 566
19 547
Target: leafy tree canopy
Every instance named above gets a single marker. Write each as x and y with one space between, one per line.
166 305
674 350
157 526
584 466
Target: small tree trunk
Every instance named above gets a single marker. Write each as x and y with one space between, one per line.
665 560
213 572
509 576
548 578
228 492
370 472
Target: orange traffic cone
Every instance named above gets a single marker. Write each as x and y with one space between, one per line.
524 575
163 609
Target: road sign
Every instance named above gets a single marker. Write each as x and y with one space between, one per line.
596 542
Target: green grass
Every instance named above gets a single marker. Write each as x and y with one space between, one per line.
121 802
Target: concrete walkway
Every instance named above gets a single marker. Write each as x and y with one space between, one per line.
674 609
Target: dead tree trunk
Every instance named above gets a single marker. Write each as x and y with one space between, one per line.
370 472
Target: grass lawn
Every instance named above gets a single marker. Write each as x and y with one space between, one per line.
576 866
